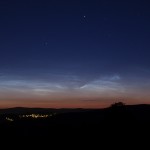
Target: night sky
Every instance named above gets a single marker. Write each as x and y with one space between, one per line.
86 53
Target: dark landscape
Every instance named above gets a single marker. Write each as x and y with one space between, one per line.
37 122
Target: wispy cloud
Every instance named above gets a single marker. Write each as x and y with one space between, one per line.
71 87
104 84
65 84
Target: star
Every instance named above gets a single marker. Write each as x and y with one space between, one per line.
46 43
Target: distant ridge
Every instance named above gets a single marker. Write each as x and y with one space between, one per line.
27 110
21 110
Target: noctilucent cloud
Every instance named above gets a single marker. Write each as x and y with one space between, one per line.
78 54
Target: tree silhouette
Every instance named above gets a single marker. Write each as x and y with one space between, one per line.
117 104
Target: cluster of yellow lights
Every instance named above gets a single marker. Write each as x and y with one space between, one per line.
9 119
35 116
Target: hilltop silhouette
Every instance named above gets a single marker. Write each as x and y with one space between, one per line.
118 121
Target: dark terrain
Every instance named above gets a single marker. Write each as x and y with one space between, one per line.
113 123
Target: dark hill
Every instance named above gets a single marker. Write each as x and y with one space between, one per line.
133 120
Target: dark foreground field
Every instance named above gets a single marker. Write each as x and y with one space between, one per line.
117 123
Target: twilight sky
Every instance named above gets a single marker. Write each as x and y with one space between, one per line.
74 53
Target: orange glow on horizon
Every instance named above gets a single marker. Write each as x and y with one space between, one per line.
67 103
